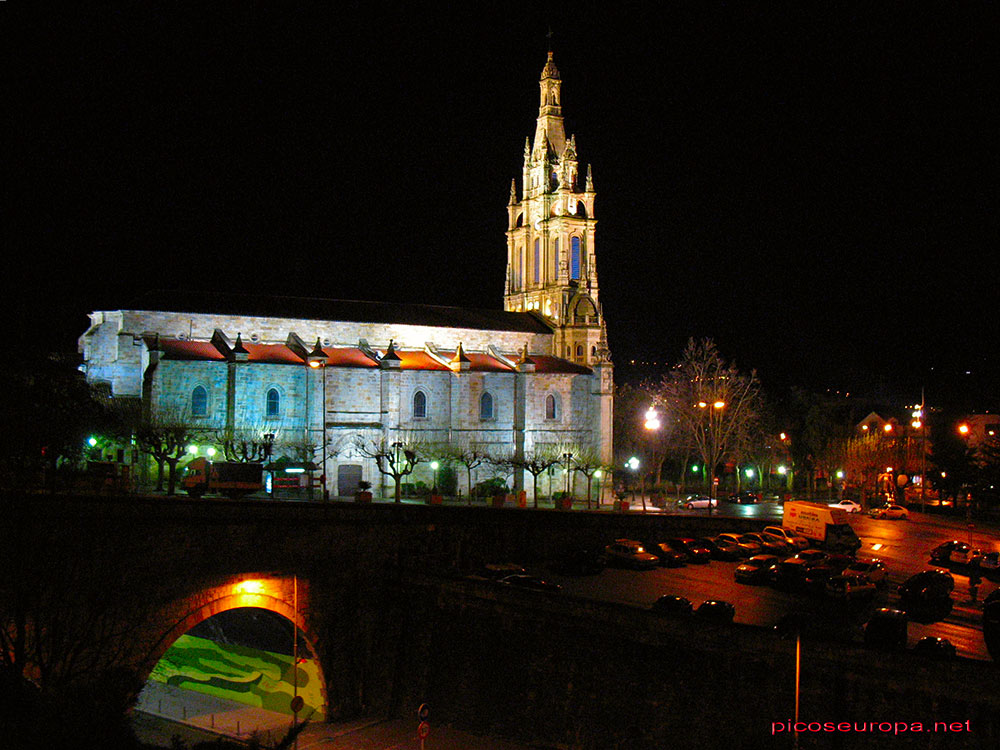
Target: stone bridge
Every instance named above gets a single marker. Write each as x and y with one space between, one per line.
114 581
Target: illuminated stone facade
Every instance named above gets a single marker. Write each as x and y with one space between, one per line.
537 374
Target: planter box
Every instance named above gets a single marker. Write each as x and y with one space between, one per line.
498 500
362 497
621 506
434 499
564 503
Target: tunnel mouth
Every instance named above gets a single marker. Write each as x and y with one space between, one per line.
242 670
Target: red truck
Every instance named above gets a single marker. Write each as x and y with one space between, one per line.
224 477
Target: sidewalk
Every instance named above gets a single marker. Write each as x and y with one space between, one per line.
238 721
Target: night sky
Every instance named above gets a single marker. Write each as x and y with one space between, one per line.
814 188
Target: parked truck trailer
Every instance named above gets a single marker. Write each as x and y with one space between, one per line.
227 478
822 525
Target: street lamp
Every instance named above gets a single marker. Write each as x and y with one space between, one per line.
434 467
567 459
317 360
633 464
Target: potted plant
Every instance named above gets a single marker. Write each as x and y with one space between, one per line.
363 495
563 500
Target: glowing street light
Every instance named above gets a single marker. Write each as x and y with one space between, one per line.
652 419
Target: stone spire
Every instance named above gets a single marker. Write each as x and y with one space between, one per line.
550 120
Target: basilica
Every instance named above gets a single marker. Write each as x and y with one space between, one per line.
332 374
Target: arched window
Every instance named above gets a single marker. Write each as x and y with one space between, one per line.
199 402
517 268
538 262
555 260
575 258
551 407
272 403
486 406
579 351
419 405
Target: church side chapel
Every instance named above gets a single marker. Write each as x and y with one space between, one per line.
332 382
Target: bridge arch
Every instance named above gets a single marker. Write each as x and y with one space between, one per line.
287 596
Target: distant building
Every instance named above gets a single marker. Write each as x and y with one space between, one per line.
320 372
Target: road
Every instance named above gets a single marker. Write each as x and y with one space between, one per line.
902 545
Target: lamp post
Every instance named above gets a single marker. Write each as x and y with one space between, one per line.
317 360
633 464
567 460
652 425
434 467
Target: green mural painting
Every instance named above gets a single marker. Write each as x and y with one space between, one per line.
256 678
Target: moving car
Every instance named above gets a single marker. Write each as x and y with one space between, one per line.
847 505
693 502
744 497
629 553
891 512
755 569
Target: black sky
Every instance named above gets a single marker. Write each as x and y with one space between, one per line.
815 188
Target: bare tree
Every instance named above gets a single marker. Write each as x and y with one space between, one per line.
536 462
587 461
714 404
166 438
247 444
395 457
471 457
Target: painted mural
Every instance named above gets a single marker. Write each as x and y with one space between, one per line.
257 678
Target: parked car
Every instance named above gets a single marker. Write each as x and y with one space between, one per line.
534 583
675 606
667 555
496 571
891 512
629 553
799 542
887 630
954 551
928 582
744 497
987 562
850 587
721 549
579 562
926 596
847 505
934 647
716 610
873 569
746 548
772 544
755 569
812 556
693 502
791 575
694 552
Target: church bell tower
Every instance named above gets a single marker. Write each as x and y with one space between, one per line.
551 259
